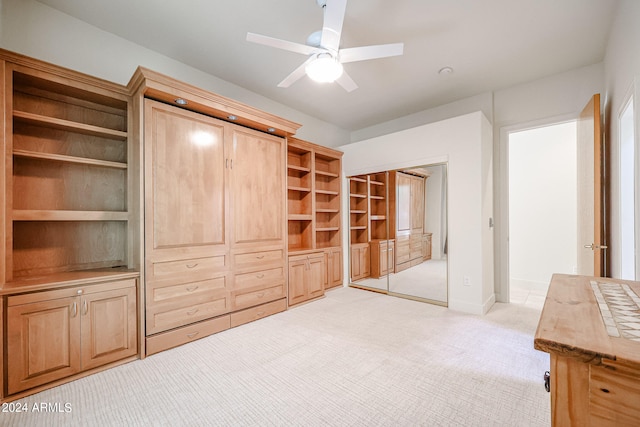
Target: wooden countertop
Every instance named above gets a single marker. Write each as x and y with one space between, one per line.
571 323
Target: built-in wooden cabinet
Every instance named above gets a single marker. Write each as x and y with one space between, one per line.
382 257
426 246
334 262
306 277
407 210
55 334
140 218
214 222
369 223
360 261
313 216
71 261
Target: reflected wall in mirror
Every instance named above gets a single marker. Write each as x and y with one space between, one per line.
398 223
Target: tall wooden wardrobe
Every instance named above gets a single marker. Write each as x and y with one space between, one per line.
215 225
407 210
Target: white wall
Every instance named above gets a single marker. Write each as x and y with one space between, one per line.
622 75
542 204
465 143
41 32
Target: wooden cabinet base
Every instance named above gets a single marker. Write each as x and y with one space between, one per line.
255 313
176 337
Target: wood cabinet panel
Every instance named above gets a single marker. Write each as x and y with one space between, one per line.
251 260
256 188
255 313
360 261
108 326
55 334
259 278
248 298
403 202
334 267
179 336
306 277
183 148
43 342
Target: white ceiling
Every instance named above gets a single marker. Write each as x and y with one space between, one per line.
490 44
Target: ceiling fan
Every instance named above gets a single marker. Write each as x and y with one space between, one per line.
323 49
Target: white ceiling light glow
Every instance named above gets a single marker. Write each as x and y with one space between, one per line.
324 69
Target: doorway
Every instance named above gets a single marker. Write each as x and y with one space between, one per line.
542 178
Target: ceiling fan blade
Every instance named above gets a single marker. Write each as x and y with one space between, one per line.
281 44
296 75
364 53
347 82
332 25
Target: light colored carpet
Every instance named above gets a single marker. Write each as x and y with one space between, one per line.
354 358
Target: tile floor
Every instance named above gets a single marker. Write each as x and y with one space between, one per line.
532 297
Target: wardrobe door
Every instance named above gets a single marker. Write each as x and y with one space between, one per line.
257 188
184 171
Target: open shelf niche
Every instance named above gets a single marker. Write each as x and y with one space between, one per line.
69 179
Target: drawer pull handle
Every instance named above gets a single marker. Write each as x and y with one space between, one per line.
192 312
192 288
193 334
259 276
260 313
74 309
259 256
192 265
84 307
260 295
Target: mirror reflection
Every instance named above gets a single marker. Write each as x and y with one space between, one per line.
398 223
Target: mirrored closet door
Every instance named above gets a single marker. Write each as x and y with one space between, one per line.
398 232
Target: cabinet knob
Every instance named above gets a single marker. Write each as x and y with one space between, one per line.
79 292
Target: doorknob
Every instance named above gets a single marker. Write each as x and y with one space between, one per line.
593 246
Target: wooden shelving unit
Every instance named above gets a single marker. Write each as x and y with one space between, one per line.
68 184
314 187
71 258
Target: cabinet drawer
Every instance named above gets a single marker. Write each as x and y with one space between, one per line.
255 313
195 268
259 278
255 297
258 259
170 339
163 318
166 292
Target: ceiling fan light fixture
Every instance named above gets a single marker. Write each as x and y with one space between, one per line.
324 69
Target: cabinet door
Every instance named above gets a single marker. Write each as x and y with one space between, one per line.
356 263
315 275
43 342
365 261
257 188
417 204
185 180
403 202
297 277
108 326
334 267
384 259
